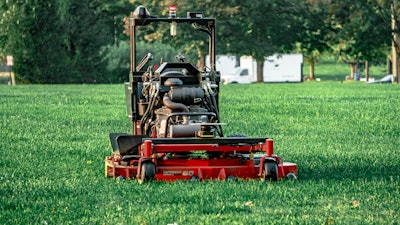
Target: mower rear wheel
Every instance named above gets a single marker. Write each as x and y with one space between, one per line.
270 171
147 172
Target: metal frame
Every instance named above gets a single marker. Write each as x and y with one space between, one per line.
136 21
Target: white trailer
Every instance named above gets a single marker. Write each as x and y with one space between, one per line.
283 68
277 68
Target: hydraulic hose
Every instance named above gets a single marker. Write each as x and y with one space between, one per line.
149 112
210 95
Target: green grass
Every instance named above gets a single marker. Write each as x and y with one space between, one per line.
344 137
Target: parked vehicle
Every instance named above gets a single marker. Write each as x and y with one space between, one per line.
238 75
277 68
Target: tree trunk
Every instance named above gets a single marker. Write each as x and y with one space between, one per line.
395 41
260 69
312 69
389 66
367 70
353 69
237 61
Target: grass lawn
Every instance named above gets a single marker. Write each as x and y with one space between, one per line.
344 137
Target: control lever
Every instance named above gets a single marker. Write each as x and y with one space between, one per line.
145 60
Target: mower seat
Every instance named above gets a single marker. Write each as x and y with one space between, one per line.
184 71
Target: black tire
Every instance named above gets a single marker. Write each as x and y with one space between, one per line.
231 179
195 179
270 171
291 176
148 172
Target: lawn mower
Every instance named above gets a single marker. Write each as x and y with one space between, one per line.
176 126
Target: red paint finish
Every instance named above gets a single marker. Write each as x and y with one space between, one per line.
173 162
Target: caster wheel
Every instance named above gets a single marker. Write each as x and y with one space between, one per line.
270 172
231 179
195 179
291 176
148 172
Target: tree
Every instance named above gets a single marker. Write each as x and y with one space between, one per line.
312 37
59 41
268 27
28 35
85 33
388 12
356 32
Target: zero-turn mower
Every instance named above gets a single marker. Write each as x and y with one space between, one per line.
176 125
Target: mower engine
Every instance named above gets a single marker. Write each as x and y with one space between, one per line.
177 102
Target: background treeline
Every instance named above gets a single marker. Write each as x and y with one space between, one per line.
83 41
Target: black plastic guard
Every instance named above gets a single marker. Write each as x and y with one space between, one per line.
125 143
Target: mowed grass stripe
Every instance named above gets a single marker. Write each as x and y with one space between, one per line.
344 136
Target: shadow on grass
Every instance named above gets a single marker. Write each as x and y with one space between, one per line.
348 170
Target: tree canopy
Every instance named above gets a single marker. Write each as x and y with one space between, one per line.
82 41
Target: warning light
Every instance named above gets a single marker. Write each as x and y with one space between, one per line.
172 11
